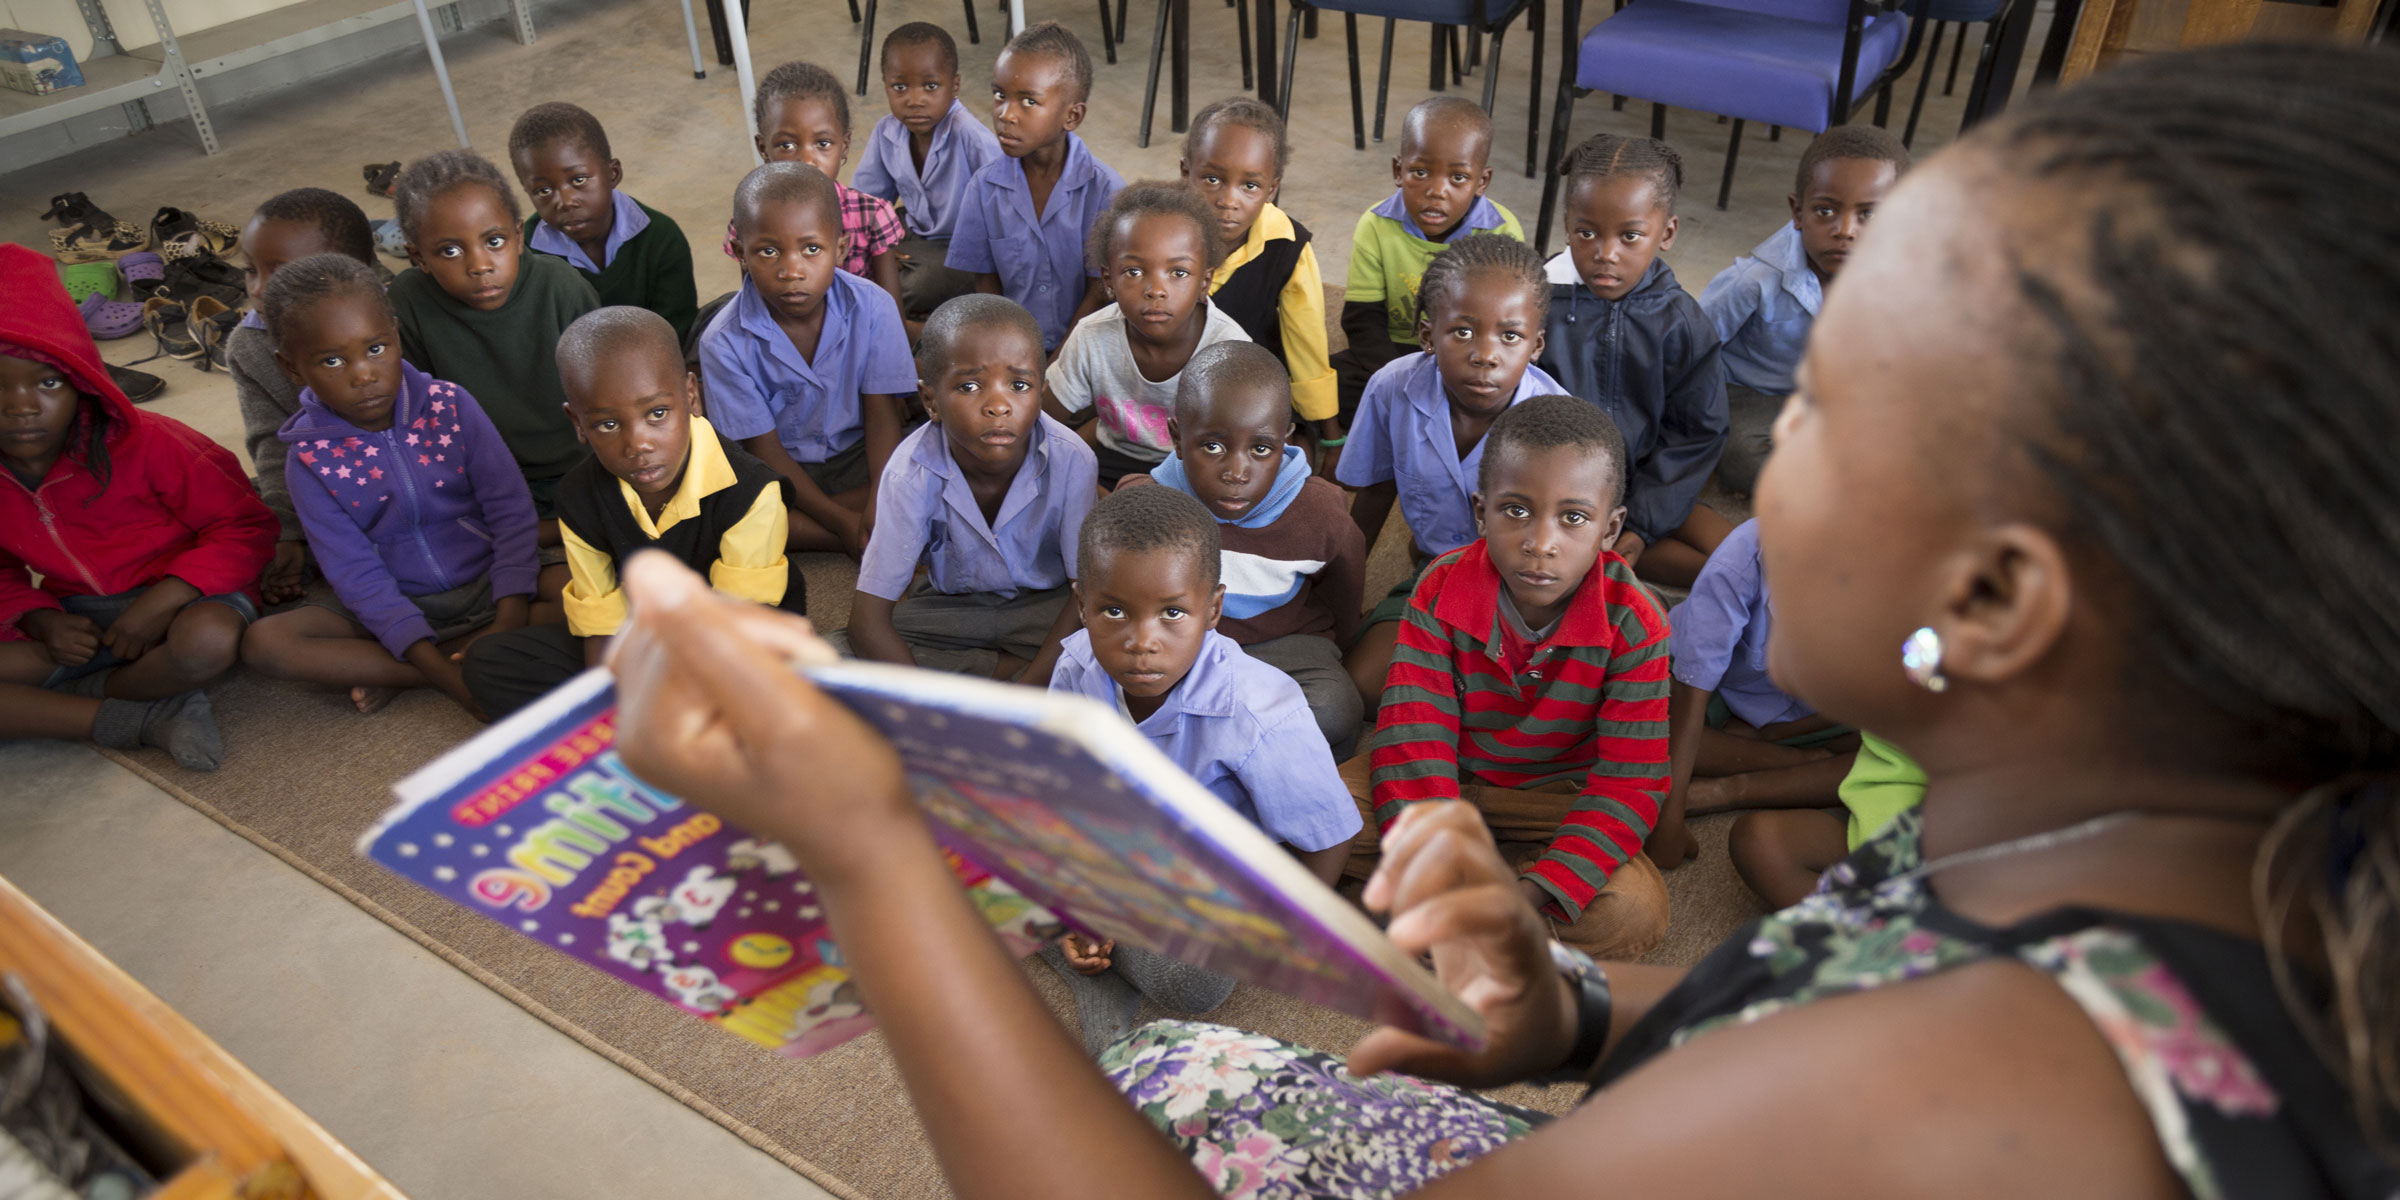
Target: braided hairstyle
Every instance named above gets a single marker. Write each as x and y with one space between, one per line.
1152 197
2227 403
1244 112
798 80
1478 253
1615 156
303 284
423 181
554 122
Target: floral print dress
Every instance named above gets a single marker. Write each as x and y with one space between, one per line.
2243 1105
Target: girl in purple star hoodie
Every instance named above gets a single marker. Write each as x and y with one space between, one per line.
413 506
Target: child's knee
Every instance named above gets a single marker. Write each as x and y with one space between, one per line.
205 641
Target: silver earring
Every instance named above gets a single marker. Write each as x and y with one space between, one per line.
1921 657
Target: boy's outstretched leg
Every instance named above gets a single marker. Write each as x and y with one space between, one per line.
1780 854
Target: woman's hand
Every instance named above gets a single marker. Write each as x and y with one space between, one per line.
1457 900
711 709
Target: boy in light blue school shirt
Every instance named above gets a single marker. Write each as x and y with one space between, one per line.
1401 435
930 198
927 514
757 382
1719 639
1762 307
927 126
1039 259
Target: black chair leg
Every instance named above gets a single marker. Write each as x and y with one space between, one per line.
1383 76
1733 151
1241 19
1616 102
1158 52
1774 133
1108 33
1957 48
1491 71
1658 122
1562 112
1916 107
1475 50
866 46
1121 35
1450 37
1358 105
974 34
1883 105
1308 25
854 12
1291 52
1439 80
1533 101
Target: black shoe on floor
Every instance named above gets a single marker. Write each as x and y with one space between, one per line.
141 387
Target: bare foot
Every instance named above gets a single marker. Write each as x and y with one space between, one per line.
372 699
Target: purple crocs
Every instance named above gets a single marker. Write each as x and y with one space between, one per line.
109 319
144 270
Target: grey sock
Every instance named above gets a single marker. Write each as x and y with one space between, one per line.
1104 1004
1177 986
184 726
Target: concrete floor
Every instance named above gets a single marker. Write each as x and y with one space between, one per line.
445 1087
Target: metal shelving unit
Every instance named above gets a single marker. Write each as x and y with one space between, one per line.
117 75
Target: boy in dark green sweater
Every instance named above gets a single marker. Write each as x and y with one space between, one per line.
631 253
478 311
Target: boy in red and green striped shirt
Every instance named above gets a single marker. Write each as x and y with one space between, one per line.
1530 678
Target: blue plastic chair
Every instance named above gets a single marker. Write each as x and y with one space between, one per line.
1479 17
1798 63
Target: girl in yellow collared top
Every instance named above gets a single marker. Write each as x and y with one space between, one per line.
1234 157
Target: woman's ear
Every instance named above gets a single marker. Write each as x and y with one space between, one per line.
2006 606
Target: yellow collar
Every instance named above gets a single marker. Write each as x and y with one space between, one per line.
706 471
1272 224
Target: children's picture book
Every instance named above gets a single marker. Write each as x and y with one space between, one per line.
1056 814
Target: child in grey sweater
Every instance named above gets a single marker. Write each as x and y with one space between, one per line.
288 227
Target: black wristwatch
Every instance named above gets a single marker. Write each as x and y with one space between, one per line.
1594 1009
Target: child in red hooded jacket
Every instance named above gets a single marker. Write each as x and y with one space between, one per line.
148 537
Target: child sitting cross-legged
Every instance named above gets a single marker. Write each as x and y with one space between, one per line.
803 115
1417 437
1269 283
1625 336
1530 679
1151 596
630 252
1117 372
920 156
658 477
1028 214
1762 305
1736 739
1781 852
477 311
1294 561
290 226
989 497
146 535
1438 180
808 367
414 508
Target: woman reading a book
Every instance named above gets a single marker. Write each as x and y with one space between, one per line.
2136 623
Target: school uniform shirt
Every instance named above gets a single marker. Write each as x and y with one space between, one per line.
432 503
504 357
1388 256
1762 307
175 502
647 262
1096 368
1039 259
1471 701
1651 360
1295 563
1720 641
1271 287
726 520
758 383
1401 435
925 512
1243 730
929 199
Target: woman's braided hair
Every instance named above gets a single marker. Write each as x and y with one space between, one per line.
1475 254
2227 432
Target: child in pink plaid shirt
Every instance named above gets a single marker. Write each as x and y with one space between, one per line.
804 116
